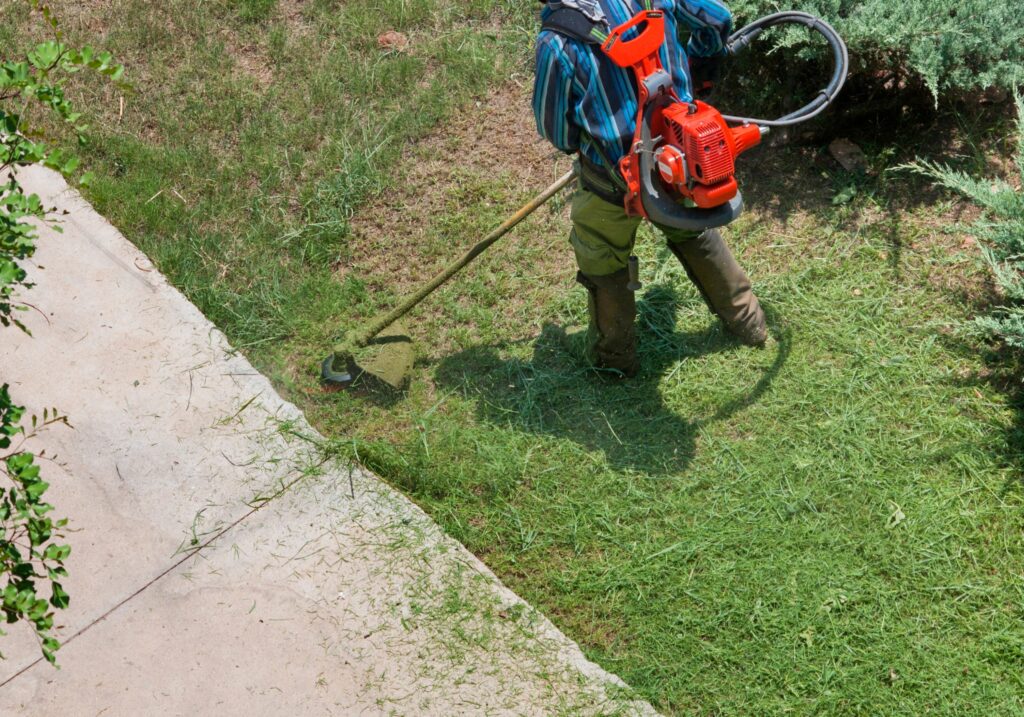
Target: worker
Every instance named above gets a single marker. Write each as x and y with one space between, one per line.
586 104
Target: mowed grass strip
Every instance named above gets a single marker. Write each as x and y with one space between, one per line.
832 525
254 130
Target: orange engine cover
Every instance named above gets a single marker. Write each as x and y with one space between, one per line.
710 148
693 149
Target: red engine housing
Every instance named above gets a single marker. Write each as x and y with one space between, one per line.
709 148
697 152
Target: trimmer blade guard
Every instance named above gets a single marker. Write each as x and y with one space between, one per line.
329 375
385 362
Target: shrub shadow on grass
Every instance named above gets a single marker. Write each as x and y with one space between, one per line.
1004 367
554 393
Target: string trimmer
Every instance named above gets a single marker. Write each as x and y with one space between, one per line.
680 172
392 361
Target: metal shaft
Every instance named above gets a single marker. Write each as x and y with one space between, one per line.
360 338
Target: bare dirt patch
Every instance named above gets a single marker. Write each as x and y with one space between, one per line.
251 60
293 13
82 17
493 141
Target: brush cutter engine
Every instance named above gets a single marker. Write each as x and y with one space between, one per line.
680 170
683 152
697 158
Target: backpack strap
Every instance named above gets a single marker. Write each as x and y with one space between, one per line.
572 23
575 24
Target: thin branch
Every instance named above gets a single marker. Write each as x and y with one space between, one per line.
36 308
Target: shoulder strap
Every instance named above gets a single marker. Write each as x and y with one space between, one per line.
573 24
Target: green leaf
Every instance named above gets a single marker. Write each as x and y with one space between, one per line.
845 196
45 54
57 552
59 598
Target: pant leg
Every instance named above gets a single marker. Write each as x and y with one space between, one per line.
721 281
602 237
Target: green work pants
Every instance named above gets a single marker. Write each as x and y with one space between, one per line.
603 236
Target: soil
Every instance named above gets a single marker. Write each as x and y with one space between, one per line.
495 137
251 60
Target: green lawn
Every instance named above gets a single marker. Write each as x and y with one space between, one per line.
832 525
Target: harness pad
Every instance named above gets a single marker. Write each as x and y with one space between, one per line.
574 23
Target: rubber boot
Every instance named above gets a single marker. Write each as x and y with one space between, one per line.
723 284
612 333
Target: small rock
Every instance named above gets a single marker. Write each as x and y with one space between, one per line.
994 96
393 40
848 154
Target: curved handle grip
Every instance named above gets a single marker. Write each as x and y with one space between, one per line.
627 53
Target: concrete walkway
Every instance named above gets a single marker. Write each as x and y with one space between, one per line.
221 565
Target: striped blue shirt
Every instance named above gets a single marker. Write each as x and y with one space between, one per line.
578 88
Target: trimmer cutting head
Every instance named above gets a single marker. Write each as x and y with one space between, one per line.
385 362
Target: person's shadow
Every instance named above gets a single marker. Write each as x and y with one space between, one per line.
554 393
